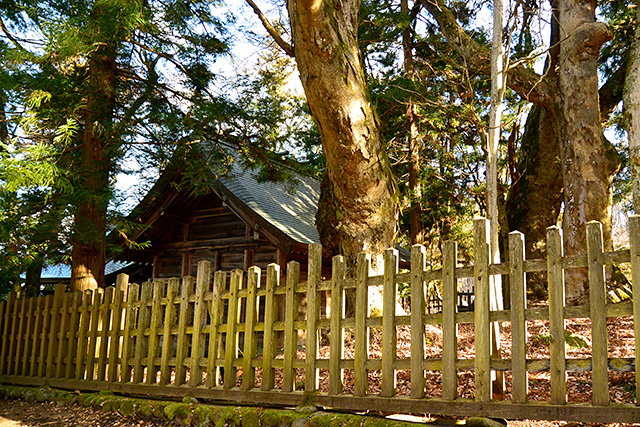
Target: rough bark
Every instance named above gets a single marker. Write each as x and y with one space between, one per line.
88 252
632 116
358 208
413 141
588 167
32 278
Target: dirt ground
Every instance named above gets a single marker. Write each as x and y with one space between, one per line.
18 413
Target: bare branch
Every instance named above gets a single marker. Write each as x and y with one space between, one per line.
275 34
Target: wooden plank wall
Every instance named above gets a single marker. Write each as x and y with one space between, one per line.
205 335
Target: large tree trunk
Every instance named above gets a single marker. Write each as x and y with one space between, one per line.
588 167
632 113
358 207
88 252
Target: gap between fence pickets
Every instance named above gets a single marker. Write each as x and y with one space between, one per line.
103 335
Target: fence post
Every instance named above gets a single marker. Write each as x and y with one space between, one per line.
269 345
290 316
361 354
314 276
336 340
231 349
417 326
517 282
555 276
449 325
167 337
634 237
597 302
250 344
389 333
219 281
482 309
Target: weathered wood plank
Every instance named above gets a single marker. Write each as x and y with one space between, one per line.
449 325
115 334
250 341
52 347
19 337
72 343
481 312
361 351
203 280
389 333
103 341
36 341
3 320
313 310
215 339
517 281
155 321
555 276
141 345
129 325
336 337
597 301
83 332
183 320
290 335
418 253
9 322
170 315
92 335
231 346
634 239
62 335
270 316
26 336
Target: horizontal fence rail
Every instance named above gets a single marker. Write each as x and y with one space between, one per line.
241 337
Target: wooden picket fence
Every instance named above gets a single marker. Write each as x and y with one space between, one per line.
235 339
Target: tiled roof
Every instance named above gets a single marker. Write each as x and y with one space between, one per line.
289 207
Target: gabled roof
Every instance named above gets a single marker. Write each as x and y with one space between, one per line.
291 208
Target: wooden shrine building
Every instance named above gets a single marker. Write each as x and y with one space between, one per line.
239 223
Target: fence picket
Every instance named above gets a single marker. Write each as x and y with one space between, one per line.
449 325
556 316
250 342
389 333
17 304
72 343
203 278
115 334
54 326
155 322
141 345
22 320
103 336
597 301
270 316
183 345
93 333
481 311
361 351
85 318
517 282
28 350
231 349
129 325
9 312
634 238
336 340
418 253
290 335
167 338
313 280
65 327
36 342
215 340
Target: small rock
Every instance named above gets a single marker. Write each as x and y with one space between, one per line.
484 422
300 422
306 409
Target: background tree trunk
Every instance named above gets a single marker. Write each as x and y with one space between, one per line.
89 244
358 206
588 167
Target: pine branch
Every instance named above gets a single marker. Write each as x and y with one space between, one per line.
275 34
